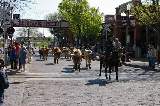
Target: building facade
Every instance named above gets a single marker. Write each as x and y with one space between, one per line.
130 33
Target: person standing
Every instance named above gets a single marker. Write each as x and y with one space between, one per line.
12 56
4 84
117 44
40 53
22 57
29 56
17 45
151 55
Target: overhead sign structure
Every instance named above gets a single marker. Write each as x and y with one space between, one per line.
40 23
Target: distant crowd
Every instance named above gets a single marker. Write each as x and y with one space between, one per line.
19 55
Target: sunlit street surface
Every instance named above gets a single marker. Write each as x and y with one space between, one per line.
79 52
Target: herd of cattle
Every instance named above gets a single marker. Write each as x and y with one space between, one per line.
110 61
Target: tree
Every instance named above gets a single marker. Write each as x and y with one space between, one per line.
54 17
148 14
33 32
17 4
84 20
91 24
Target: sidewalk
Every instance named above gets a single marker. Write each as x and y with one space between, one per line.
16 71
138 63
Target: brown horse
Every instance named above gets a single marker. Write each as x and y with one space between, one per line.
45 53
77 58
66 52
110 60
57 53
87 55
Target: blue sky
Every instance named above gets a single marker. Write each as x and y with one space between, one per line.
44 7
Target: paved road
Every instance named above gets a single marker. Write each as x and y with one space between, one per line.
48 84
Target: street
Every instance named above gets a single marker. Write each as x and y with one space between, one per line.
48 84
106 30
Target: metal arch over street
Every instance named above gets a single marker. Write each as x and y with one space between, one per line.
40 23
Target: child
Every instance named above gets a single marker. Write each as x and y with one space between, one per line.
4 84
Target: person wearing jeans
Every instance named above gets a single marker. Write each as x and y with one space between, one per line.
22 57
1 95
12 56
152 57
2 80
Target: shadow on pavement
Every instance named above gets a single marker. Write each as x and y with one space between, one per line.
84 68
12 72
39 60
71 65
137 73
100 82
67 70
50 64
138 66
17 82
68 60
142 76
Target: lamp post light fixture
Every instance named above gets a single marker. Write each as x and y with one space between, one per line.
128 24
28 38
29 45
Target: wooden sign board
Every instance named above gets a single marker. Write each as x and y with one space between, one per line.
40 23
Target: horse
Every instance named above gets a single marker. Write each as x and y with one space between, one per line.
111 61
66 52
57 53
40 53
45 53
104 61
87 55
77 58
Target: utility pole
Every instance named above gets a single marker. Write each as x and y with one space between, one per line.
29 46
28 29
128 26
127 29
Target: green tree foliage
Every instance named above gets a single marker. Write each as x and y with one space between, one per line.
148 13
91 22
33 32
42 44
84 20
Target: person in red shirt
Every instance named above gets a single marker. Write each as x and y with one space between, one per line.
17 45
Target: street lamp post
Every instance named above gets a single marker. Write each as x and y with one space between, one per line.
60 33
28 38
127 26
29 46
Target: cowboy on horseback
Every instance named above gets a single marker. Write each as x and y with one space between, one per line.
105 55
111 58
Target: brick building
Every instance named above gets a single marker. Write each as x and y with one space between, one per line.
131 34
